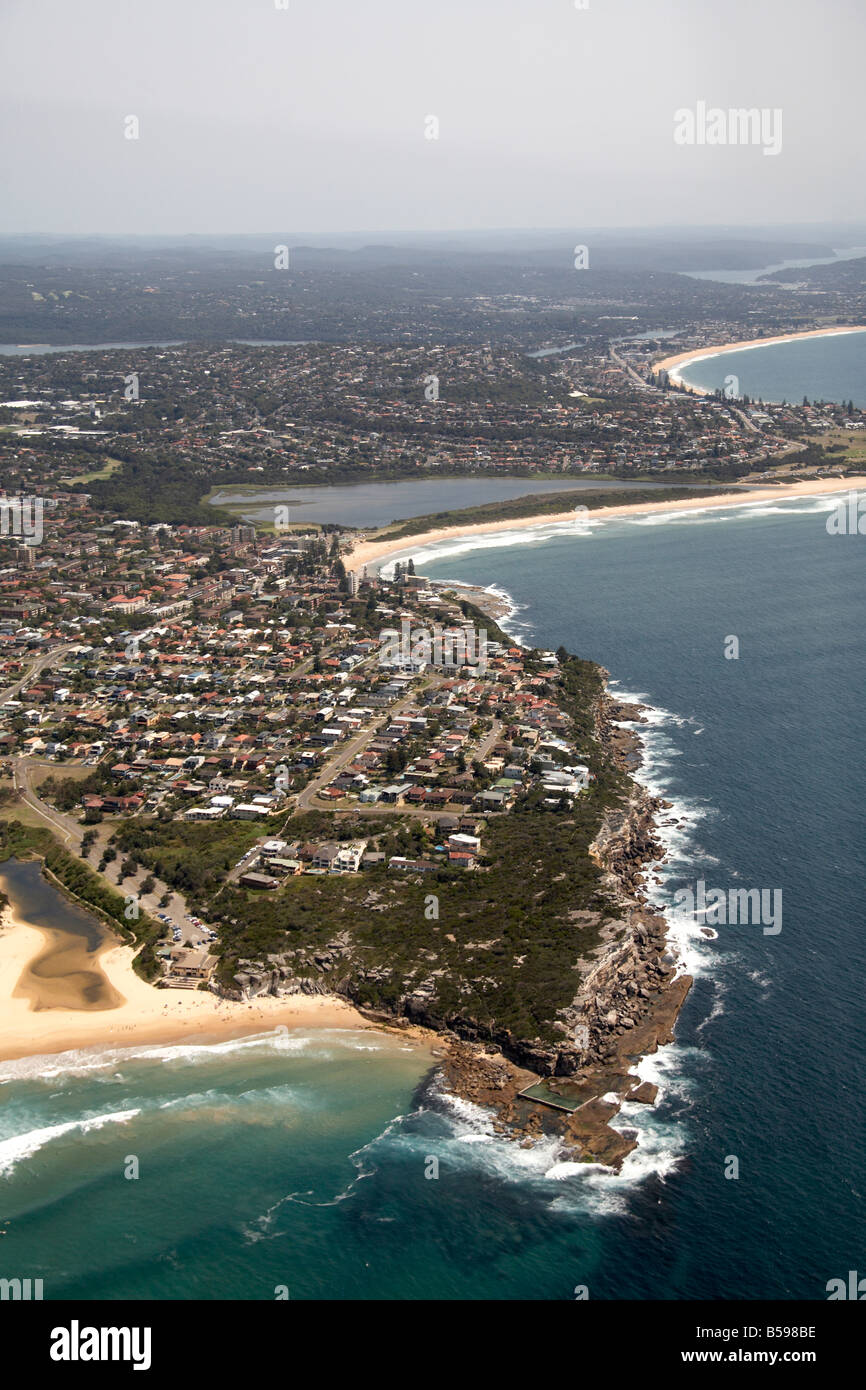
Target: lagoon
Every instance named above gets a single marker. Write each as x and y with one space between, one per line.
377 504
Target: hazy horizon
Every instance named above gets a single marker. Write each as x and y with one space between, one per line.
549 116
522 238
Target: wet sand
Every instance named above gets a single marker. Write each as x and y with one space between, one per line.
65 974
55 996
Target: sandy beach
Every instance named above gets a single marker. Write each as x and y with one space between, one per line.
671 364
373 552
143 1014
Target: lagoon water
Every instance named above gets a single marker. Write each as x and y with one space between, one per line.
64 974
377 504
831 368
301 1161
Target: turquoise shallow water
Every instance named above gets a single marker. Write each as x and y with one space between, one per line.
245 1150
302 1162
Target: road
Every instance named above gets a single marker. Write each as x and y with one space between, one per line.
630 371
309 800
356 745
44 659
487 743
70 831
740 414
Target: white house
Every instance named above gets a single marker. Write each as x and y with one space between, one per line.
349 856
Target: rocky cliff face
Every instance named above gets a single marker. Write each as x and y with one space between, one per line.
324 970
635 970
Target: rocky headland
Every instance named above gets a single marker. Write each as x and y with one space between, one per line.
627 997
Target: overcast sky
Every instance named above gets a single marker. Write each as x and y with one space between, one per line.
254 118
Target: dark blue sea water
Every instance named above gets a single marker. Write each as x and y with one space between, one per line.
301 1161
829 368
764 754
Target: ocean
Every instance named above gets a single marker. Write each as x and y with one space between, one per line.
831 368
303 1162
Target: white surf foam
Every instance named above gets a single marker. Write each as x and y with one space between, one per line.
547 1167
584 528
318 1042
683 852
22 1146
447 548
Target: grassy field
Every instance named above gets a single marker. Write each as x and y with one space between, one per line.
239 514
75 772
111 466
845 446
19 811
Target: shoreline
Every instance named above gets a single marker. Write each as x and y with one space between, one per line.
620 1034
622 1027
146 1015
372 552
631 847
673 365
